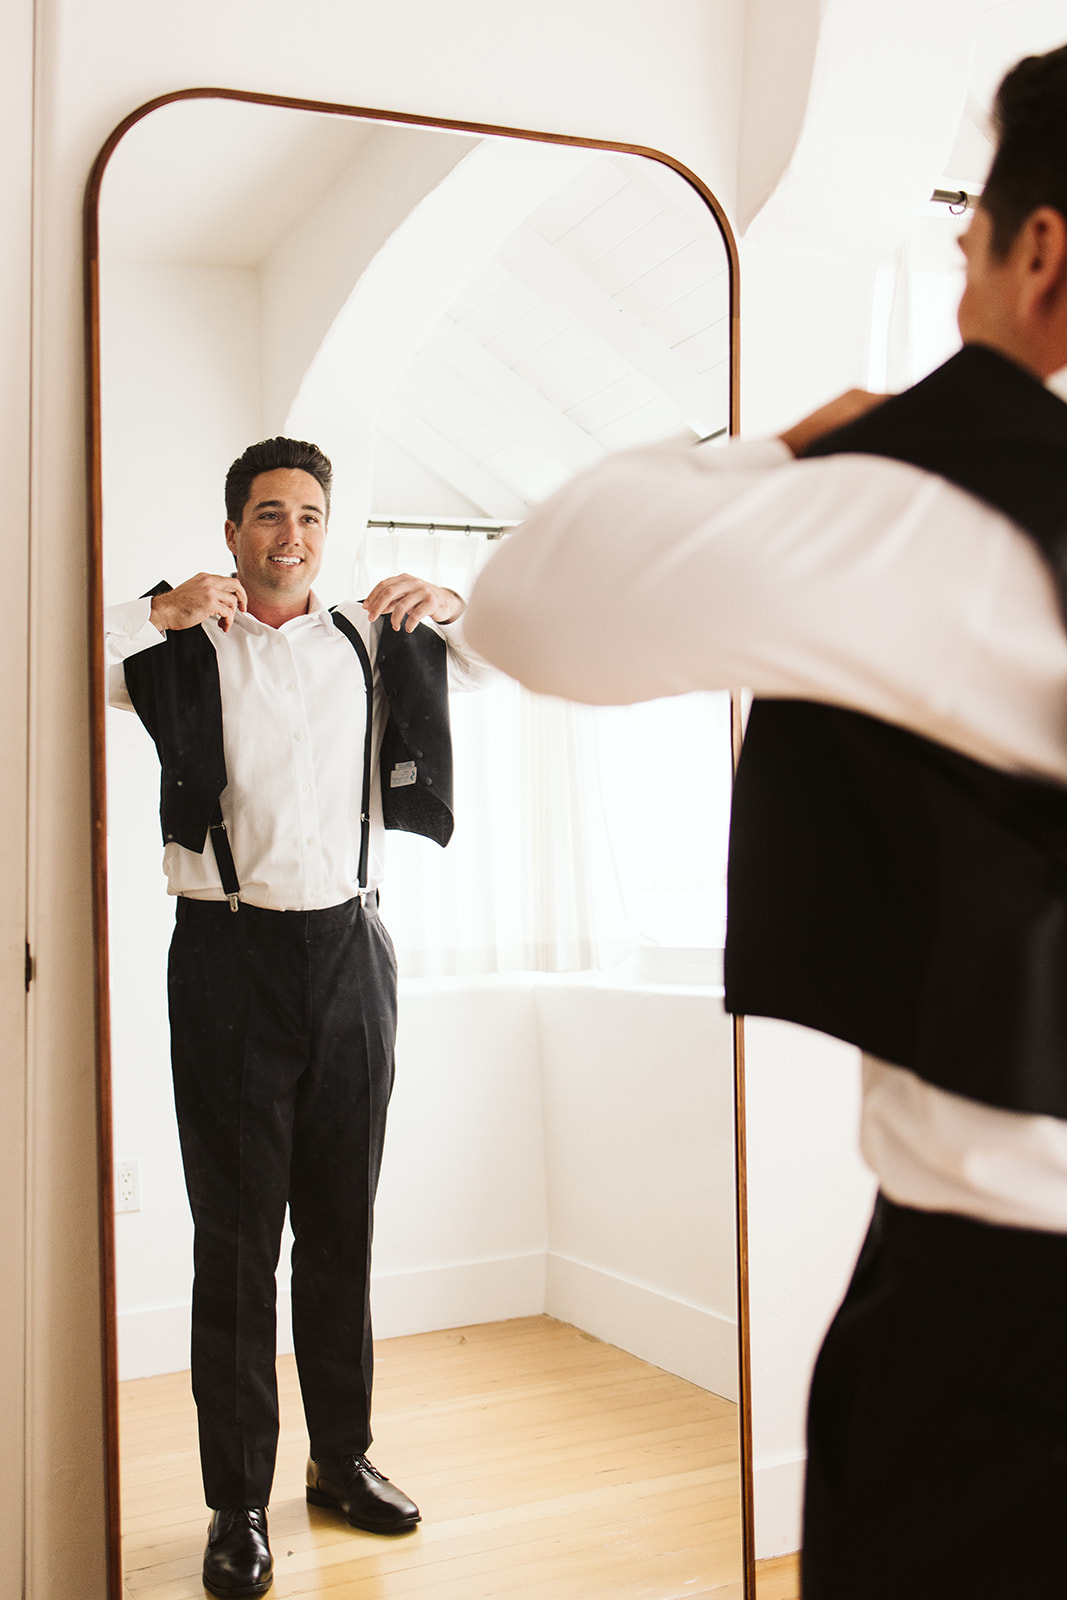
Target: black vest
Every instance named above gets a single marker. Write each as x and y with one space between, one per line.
175 691
887 890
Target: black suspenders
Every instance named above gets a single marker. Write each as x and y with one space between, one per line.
221 844
351 633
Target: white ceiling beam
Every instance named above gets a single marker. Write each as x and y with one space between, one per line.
549 273
413 434
518 400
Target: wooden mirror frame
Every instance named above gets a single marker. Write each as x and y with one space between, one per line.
98 773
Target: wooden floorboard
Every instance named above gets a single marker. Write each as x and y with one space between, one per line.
778 1579
546 1464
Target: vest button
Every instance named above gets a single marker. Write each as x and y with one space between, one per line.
428 782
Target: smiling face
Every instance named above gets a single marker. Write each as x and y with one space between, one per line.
278 544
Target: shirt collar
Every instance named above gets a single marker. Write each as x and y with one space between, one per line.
317 612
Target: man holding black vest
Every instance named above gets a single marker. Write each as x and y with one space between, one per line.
898 857
273 718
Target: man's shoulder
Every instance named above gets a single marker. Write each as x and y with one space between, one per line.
349 616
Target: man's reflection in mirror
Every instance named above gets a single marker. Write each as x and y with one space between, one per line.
289 736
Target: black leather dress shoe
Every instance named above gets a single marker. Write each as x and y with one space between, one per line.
369 1501
237 1560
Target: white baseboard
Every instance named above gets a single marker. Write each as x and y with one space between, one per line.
688 1340
458 1295
779 1500
155 1339
681 1338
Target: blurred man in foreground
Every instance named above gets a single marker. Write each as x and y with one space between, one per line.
898 871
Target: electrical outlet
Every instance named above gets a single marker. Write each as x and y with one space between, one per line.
128 1186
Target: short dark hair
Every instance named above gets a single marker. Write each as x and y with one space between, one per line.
266 456
1030 166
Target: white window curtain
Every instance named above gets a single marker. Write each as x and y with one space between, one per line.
587 838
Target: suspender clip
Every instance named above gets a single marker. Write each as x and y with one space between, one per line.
231 885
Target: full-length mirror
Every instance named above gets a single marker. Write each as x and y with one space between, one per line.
461 320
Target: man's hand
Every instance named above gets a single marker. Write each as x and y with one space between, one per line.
192 602
846 408
410 600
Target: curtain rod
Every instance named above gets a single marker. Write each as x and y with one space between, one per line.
492 530
957 200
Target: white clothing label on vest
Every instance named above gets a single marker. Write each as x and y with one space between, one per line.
402 774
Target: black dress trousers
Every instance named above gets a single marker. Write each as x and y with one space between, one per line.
937 1426
283 1025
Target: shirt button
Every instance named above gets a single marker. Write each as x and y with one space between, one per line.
290 686
298 736
309 840
305 788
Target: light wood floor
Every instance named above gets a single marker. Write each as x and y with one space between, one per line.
546 1465
778 1579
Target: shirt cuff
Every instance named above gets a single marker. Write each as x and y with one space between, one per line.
129 628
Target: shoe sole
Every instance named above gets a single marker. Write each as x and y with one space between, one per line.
315 1497
247 1592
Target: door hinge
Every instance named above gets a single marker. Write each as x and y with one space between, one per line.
29 966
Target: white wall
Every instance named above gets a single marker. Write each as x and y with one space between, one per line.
181 398
810 1199
304 286
665 76
638 1095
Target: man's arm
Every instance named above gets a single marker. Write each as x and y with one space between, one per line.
406 600
849 579
138 625
837 413
409 600
196 600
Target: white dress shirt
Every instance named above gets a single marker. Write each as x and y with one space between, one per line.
851 580
294 721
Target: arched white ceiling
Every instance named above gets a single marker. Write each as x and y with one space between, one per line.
888 87
853 112
542 306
